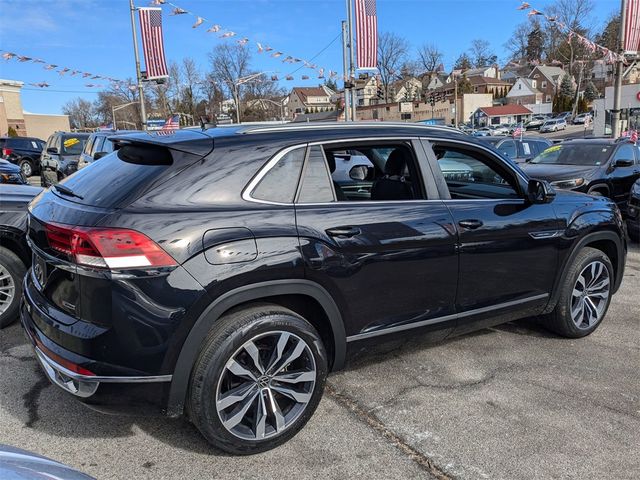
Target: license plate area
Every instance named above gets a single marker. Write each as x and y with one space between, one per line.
40 272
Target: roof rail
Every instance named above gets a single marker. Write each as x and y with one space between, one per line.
343 125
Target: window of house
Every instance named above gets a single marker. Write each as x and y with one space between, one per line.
544 84
470 174
360 172
280 182
533 83
548 99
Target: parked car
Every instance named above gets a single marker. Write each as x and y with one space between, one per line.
535 123
483 132
60 156
97 146
501 130
566 116
596 166
19 464
24 152
519 150
15 256
229 267
553 125
581 118
633 211
10 173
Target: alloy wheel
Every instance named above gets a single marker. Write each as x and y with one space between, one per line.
590 295
266 385
26 168
7 289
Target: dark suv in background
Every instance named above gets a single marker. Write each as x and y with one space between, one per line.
230 270
60 156
24 152
97 146
518 149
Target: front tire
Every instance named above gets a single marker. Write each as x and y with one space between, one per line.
12 271
26 165
585 295
258 379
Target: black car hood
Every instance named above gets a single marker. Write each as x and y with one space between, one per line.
558 172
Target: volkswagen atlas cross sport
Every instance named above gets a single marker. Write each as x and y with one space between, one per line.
230 269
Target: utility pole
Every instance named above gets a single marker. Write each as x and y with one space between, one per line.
352 62
617 88
455 101
143 111
345 66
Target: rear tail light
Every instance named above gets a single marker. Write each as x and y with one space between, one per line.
113 248
63 362
6 152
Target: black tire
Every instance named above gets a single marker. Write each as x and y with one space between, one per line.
26 165
224 342
560 319
13 266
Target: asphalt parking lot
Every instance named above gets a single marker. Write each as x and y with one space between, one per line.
511 402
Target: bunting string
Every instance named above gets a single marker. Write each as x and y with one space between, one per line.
609 56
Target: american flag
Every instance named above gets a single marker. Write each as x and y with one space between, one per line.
518 131
632 27
367 33
152 43
172 123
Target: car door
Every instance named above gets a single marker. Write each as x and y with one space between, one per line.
508 247
391 263
622 178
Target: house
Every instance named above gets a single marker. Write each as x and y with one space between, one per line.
409 89
492 72
366 90
310 100
525 92
490 85
548 79
435 80
484 116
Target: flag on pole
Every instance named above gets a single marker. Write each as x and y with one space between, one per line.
172 123
367 33
632 27
152 42
518 131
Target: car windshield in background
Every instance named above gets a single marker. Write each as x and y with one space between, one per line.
586 154
73 145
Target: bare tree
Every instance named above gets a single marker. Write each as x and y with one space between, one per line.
229 63
481 53
392 55
81 113
517 44
190 89
213 93
430 57
575 14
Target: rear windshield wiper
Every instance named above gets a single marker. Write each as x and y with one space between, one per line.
67 191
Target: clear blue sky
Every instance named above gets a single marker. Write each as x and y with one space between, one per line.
95 35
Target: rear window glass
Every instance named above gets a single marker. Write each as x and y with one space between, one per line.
280 182
72 145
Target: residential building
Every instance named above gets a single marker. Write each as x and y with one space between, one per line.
491 71
26 124
525 92
548 79
484 116
310 100
491 85
366 90
406 90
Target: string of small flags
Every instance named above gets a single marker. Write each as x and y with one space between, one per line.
609 56
244 41
63 71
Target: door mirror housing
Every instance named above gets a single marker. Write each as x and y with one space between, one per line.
540 191
99 155
361 173
53 150
622 162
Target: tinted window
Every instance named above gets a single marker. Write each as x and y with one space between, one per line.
280 182
97 145
315 186
89 144
625 152
508 148
107 146
576 154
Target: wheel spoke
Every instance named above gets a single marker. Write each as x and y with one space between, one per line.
261 417
254 353
237 369
280 346
236 418
296 377
577 312
236 395
600 285
592 311
277 413
300 397
297 351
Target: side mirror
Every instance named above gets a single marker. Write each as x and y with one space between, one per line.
99 155
622 163
361 173
53 150
540 191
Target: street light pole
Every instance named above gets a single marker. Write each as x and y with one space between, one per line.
143 112
113 113
617 88
345 67
352 63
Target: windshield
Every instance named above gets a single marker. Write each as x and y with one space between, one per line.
585 154
73 145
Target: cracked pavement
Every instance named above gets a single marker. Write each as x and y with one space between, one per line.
510 402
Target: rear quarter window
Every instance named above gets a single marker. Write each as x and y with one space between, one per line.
280 182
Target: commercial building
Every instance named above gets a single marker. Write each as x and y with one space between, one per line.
25 124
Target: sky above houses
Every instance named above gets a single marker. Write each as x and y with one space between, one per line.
95 35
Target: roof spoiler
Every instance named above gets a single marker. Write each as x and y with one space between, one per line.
187 141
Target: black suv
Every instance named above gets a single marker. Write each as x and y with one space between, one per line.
59 158
229 267
518 149
595 166
24 152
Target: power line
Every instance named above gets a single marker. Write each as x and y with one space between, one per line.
317 54
58 91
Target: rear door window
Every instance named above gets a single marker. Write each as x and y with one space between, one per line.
508 148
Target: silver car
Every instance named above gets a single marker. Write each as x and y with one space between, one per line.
553 125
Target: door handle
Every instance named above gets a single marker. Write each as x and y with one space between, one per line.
470 224
343 232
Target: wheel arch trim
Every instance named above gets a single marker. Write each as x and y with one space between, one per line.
191 347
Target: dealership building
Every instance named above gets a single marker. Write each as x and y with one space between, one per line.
629 110
25 124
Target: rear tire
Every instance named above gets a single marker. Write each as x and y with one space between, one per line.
12 272
26 165
585 295
257 380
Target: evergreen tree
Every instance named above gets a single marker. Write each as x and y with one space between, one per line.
591 92
535 42
566 87
464 85
463 62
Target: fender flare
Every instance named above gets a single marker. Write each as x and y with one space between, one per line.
191 348
589 238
